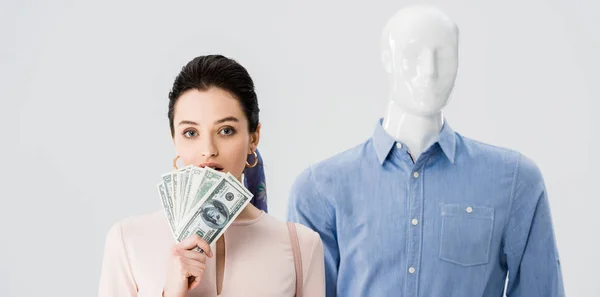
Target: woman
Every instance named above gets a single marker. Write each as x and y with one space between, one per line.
213 115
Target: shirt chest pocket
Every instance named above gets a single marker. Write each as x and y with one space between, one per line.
466 234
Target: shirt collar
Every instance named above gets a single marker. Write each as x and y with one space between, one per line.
383 142
447 141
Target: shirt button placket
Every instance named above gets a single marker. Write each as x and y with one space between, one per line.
415 231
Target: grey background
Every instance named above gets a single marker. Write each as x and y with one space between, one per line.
84 100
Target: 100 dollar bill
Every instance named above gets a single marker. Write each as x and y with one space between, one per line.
167 207
215 212
203 181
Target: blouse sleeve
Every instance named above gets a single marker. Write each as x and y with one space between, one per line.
314 269
116 278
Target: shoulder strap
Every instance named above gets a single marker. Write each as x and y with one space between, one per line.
297 258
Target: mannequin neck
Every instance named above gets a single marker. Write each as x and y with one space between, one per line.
416 132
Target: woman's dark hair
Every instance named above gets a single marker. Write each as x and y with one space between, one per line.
205 72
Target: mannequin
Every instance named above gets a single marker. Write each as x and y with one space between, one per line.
420 55
419 209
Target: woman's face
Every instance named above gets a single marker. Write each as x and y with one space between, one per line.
211 130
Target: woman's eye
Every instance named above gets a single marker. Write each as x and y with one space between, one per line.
189 134
227 131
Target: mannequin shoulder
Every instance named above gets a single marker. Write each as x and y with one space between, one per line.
523 166
528 172
338 163
478 149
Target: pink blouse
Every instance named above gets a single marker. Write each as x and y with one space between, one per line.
259 259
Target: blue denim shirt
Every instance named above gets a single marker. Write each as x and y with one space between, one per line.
453 223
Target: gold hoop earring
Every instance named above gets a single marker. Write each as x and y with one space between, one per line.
175 163
255 161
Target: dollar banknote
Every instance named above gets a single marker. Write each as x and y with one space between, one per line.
209 179
201 200
215 212
167 185
194 183
175 195
236 183
167 207
181 183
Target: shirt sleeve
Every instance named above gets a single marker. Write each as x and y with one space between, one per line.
307 207
314 273
530 248
116 279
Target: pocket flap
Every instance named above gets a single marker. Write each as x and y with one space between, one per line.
467 211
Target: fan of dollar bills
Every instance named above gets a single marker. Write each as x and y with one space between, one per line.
201 200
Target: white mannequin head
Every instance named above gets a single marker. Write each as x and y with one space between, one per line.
419 48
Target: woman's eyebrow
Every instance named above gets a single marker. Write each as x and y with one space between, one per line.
188 123
227 119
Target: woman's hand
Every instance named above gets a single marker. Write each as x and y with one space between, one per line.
186 266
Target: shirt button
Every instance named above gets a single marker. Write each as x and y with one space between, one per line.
399 145
411 270
469 209
416 174
415 222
